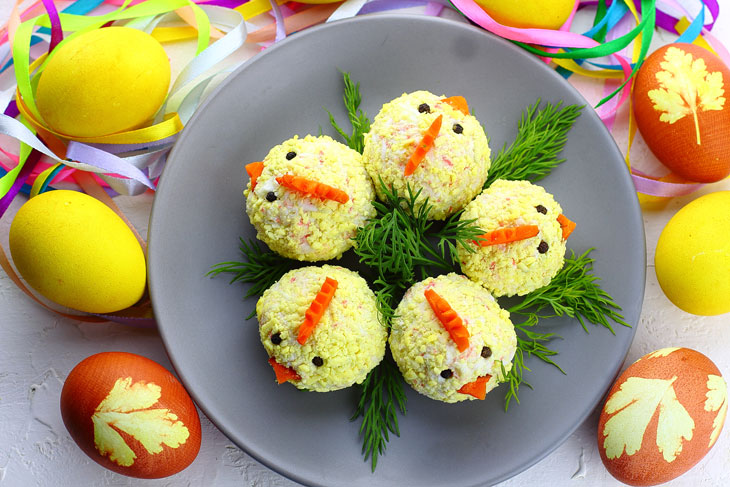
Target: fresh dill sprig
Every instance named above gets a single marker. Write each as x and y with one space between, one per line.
388 293
541 136
396 241
529 343
457 233
381 396
574 292
358 118
261 268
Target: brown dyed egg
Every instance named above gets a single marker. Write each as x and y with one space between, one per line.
130 415
662 416
682 111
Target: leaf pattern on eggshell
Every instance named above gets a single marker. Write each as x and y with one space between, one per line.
127 408
686 88
662 352
716 401
634 404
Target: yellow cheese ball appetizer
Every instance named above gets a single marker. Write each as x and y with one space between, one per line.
321 329
524 244
308 197
451 340
432 144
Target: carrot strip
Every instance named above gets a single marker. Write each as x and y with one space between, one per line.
478 388
507 235
283 374
254 170
313 188
567 225
316 309
423 146
449 319
459 103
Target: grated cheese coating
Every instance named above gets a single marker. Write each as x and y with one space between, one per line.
453 171
515 268
349 338
422 347
300 226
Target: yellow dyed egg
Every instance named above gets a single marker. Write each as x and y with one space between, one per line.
77 252
542 14
102 82
692 258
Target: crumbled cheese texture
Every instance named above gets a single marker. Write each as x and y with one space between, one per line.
423 349
301 226
453 171
514 268
349 339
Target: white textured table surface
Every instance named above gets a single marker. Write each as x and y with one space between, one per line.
38 349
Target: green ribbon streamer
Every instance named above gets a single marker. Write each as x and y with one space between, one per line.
645 28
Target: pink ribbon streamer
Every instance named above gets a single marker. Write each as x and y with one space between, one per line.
56 31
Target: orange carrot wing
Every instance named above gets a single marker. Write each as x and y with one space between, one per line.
316 309
459 103
567 225
507 235
449 319
423 146
478 388
312 188
254 170
283 374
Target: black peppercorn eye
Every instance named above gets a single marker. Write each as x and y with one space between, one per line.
270 196
541 209
290 155
276 338
543 247
424 108
486 352
457 128
447 374
318 361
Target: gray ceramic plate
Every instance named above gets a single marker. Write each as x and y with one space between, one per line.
198 217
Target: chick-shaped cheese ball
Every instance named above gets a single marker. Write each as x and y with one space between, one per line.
431 360
308 196
344 345
531 260
455 164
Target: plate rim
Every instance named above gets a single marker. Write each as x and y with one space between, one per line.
315 31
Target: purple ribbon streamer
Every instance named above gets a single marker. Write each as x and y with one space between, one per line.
109 163
279 19
660 188
12 109
224 3
56 31
130 321
667 22
124 148
384 5
26 170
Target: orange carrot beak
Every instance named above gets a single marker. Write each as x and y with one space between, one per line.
312 188
423 146
254 170
458 103
283 374
478 388
316 309
507 235
449 319
567 226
